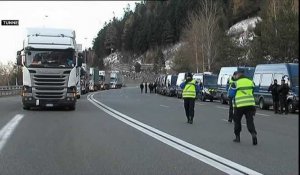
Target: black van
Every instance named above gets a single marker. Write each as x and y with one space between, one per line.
265 74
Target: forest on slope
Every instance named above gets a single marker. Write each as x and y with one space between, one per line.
202 26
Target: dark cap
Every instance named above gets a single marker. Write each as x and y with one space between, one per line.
234 73
189 75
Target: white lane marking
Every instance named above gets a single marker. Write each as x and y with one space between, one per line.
207 157
8 129
263 114
228 122
221 107
164 106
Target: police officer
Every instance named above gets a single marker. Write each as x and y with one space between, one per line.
142 87
275 95
189 93
242 91
283 92
231 99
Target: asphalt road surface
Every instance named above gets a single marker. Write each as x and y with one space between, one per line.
122 131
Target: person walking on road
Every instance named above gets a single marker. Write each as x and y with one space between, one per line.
142 87
231 99
242 91
283 92
190 89
154 87
275 95
150 87
146 87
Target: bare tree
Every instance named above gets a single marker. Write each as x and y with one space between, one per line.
202 32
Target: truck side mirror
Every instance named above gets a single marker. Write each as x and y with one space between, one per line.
79 62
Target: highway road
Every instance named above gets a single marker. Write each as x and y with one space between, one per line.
122 131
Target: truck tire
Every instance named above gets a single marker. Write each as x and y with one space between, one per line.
222 100
72 108
202 97
291 107
26 107
262 104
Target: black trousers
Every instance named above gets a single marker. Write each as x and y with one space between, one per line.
230 109
189 106
142 90
145 90
283 104
275 103
249 112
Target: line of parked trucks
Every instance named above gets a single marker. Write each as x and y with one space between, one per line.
54 74
214 86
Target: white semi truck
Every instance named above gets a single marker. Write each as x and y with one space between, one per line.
94 79
50 67
116 80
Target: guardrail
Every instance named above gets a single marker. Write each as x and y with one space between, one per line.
10 90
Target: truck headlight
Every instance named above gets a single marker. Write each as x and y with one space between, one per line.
71 91
205 90
26 91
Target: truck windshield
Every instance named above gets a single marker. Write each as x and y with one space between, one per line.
173 80
50 58
101 78
210 80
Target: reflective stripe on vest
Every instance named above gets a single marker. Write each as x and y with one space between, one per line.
244 93
189 90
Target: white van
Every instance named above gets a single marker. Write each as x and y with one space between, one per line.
181 77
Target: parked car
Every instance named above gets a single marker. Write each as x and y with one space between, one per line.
180 78
171 85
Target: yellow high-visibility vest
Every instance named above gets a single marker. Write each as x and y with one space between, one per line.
189 90
244 93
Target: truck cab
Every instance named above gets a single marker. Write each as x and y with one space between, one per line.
50 67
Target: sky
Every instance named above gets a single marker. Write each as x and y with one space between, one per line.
85 17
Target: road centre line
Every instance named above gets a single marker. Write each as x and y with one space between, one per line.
207 157
8 129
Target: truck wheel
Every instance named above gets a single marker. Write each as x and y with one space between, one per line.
222 100
202 98
262 104
291 107
26 107
72 108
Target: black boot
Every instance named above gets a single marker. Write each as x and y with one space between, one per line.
254 139
237 139
188 119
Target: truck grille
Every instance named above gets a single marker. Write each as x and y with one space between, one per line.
50 86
